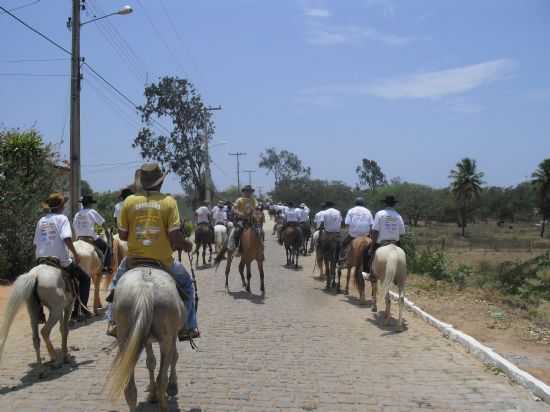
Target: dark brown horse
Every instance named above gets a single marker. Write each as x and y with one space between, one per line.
306 236
329 249
251 248
292 241
203 237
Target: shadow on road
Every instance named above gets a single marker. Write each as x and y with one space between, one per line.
292 267
390 328
172 406
43 373
244 295
96 318
354 300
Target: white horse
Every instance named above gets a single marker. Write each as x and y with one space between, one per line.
91 263
220 237
390 266
146 308
52 292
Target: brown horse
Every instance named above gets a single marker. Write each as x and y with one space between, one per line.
203 237
355 260
252 248
292 241
329 249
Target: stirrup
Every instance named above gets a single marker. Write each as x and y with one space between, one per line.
188 334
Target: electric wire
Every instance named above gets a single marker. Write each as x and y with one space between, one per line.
18 74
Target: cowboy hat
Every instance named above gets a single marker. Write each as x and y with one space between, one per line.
360 201
329 203
87 199
390 200
124 193
54 201
149 176
220 203
247 188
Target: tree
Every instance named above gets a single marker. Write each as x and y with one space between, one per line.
541 181
283 165
370 175
180 150
465 187
27 176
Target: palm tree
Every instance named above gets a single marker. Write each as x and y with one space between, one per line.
466 186
541 181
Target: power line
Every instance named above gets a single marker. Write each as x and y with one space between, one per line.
32 3
35 74
36 31
34 60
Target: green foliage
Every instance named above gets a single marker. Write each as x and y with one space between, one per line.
182 149
370 175
283 165
106 202
27 177
529 279
541 181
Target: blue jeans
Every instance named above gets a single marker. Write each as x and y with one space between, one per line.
182 278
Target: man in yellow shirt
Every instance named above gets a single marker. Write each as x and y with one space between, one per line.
150 222
243 208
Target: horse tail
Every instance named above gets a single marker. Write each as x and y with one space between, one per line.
391 270
219 257
22 291
141 321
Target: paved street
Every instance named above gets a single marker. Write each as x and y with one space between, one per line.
298 349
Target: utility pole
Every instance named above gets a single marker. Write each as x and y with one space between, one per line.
207 174
249 175
74 192
238 154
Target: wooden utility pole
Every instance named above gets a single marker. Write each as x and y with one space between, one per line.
238 154
249 175
207 173
74 191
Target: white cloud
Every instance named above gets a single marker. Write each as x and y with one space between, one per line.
322 35
433 85
312 12
444 82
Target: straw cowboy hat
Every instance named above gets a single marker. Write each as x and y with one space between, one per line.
54 201
149 176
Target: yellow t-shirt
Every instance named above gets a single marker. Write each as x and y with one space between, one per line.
148 219
245 205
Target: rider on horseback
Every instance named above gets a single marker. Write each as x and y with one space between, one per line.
124 193
219 215
291 218
84 226
242 211
52 238
359 221
203 216
387 228
150 222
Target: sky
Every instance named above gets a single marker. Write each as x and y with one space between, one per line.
414 85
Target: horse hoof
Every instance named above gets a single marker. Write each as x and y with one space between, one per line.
172 389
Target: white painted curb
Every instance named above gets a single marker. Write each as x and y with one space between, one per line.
483 353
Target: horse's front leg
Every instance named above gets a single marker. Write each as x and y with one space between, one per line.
172 389
130 393
204 254
261 270
97 284
387 312
167 348
374 284
228 269
241 272
210 256
248 276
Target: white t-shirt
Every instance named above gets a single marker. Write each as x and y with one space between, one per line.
203 214
84 222
318 219
389 225
118 208
219 215
359 219
333 220
49 236
304 215
293 214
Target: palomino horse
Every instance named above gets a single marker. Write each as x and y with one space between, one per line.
204 238
329 249
146 308
390 266
252 248
355 260
42 286
220 237
92 265
120 251
292 241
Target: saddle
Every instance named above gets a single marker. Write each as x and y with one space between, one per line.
90 240
71 283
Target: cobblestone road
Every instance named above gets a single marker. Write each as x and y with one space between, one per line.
298 349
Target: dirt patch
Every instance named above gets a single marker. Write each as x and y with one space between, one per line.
485 315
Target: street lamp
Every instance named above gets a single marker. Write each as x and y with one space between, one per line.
74 23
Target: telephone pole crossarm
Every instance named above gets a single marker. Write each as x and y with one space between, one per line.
238 155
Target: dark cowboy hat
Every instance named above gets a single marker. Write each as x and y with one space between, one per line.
247 188
124 193
87 199
149 176
54 201
360 201
390 200
329 203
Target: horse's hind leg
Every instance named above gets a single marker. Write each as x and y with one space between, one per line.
261 270
228 269
241 271
151 363
346 291
210 256
55 315
167 348
374 285
248 276
64 328
96 278
33 308
130 393
204 254
401 305
387 312
172 389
